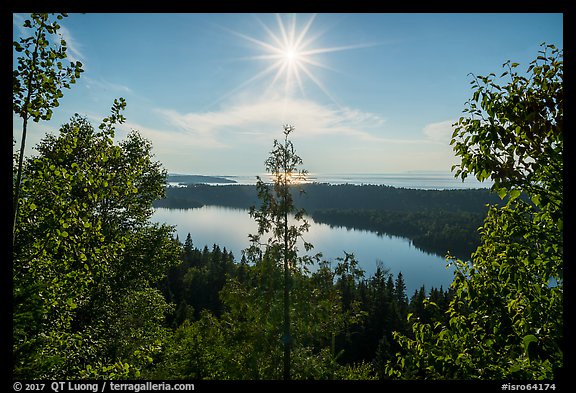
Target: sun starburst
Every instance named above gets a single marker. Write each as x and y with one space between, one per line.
291 55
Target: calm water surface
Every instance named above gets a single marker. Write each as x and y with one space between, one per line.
229 228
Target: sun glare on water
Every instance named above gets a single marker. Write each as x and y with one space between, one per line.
289 178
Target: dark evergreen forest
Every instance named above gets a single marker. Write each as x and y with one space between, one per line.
194 286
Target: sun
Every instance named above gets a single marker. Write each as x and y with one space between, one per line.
290 55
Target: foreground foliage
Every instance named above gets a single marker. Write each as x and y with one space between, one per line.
86 256
506 318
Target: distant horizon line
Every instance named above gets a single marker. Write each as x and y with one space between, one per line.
448 173
411 179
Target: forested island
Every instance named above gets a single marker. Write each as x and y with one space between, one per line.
436 221
185 180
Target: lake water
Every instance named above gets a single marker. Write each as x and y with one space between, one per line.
229 228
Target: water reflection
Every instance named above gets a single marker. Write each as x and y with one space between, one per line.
229 228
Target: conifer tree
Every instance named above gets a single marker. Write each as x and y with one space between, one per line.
277 206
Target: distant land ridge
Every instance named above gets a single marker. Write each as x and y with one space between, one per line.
197 179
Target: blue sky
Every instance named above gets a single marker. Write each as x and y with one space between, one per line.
366 93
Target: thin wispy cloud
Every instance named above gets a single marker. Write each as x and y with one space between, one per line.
203 127
101 84
263 117
440 131
73 47
258 121
175 136
18 22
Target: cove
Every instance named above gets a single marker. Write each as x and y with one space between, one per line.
229 228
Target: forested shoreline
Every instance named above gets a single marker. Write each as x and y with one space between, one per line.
315 196
436 221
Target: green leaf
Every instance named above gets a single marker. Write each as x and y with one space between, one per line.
527 340
71 304
514 194
502 193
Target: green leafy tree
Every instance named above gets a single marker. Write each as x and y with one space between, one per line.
39 78
86 258
506 317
